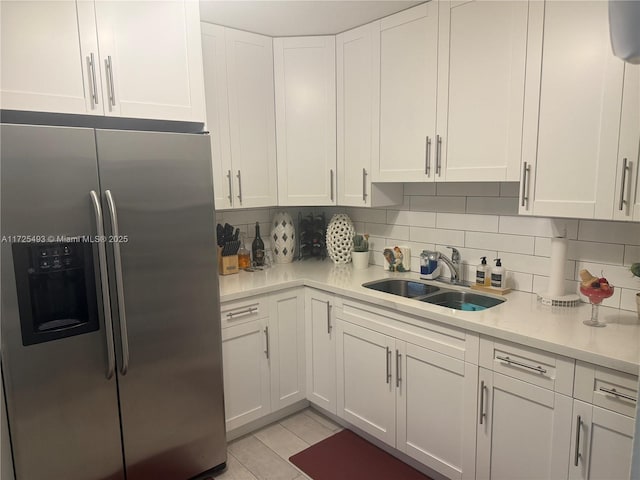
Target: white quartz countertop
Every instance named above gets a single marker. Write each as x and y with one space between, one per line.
521 319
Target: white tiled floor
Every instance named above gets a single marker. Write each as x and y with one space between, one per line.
264 455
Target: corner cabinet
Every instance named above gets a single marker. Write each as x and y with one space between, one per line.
305 88
575 145
122 59
238 72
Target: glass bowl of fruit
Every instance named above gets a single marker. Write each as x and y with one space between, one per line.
596 290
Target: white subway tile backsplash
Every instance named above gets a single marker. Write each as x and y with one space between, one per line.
419 219
502 242
437 235
399 232
477 223
519 281
465 189
628 299
540 227
587 251
367 215
541 285
411 189
492 205
439 204
631 254
532 264
609 232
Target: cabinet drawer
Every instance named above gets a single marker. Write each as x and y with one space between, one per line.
606 388
243 311
538 367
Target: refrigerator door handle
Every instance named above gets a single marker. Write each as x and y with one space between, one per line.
104 286
124 341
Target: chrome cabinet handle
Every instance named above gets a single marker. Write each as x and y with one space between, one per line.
617 394
331 182
266 334
483 414
329 327
577 454
438 154
247 311
122 315
239 186
538 369
112 91
427 157
388 365
364 184
525 184
94 83
104 283
625 167
398 359
230 196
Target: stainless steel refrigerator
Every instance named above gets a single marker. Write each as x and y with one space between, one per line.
110 338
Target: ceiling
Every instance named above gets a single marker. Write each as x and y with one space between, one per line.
297 17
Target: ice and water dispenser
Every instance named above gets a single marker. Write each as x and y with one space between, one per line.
56 286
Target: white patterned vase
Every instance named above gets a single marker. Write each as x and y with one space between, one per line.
283 238
340 234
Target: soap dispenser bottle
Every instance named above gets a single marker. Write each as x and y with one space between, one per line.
482 273
498 275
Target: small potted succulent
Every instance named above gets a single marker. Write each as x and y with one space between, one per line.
360 253
635 270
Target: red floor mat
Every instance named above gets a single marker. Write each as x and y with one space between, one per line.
346 456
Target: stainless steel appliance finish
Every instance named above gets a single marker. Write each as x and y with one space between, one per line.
162 416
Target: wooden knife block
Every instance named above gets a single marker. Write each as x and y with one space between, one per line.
227 264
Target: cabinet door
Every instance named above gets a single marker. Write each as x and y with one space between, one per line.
320 349
252 118
601 443
358 81
47 49
572 143
305 84
151 59
436 410
408 81
481 73
214 59
366 387
523 430
286 348
627 196
246 373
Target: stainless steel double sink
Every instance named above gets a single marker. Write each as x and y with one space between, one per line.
424 292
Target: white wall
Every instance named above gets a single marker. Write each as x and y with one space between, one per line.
480 219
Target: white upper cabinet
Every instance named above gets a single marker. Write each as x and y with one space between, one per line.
305 85
408 81
129 59
151 58
238 70
481 74
47 49
572 113
358 119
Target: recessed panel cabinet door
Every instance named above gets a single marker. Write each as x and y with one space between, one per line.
408 67
571 143
523 430
151 58
481 73
49 56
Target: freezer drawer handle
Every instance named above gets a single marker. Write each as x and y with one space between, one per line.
266 334
538 369
329 327
617 394
104 285
577 454
483 414
246 311
124 340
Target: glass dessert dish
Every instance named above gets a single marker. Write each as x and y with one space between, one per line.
595 296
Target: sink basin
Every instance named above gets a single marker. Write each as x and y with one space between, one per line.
462 300
402 288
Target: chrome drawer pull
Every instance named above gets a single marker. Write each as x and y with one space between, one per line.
483 414
538 369
617 394
247 311
577 455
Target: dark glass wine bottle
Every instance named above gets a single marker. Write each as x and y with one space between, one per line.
257 248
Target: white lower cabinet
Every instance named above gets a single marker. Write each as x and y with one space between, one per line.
263 358
601 443
320 342
523 429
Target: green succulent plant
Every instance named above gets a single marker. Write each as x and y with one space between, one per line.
361 243
635 269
